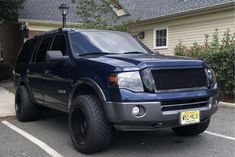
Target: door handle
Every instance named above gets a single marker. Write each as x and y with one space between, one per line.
28 71
47 73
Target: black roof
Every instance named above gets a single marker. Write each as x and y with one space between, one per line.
47 10
138 9
149 9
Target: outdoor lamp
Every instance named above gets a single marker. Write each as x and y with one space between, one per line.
64 9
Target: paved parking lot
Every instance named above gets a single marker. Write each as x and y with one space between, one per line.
51 129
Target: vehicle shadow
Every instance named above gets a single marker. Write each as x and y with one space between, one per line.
145 143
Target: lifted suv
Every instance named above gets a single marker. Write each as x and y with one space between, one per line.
108 80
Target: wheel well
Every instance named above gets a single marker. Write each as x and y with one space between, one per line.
22 84
85 89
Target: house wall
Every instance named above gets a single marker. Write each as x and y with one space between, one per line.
33 33
11 39
37 27
187 29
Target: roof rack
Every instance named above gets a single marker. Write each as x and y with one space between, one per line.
63 30
53 31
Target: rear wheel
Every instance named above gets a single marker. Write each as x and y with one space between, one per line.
191 130
90 131
25 109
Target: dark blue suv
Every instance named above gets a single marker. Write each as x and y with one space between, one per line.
107 80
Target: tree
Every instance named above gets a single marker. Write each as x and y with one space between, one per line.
98 14
9 10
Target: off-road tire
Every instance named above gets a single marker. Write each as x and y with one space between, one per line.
192 130
25 109
98 131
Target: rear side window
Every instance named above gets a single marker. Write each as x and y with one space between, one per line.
44 46
26 52
59 44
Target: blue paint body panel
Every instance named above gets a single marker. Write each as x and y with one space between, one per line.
54 84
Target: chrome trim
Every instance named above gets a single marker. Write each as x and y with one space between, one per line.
208 107
216 85
181 90
207 75
210 102
178 67
138 117
134 103
181 110
185 104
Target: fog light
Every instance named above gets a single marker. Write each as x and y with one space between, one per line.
135 111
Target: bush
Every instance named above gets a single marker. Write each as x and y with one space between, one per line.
220 56
181 50
5 72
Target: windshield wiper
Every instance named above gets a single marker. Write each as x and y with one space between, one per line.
134 52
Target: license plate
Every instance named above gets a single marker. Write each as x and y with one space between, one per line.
189 117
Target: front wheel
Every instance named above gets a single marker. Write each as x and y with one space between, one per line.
90 131
191 130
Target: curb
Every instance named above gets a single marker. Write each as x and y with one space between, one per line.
7 117
7 84
226 104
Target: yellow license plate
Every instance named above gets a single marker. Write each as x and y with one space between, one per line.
189 117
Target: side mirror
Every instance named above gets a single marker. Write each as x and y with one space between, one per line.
56 56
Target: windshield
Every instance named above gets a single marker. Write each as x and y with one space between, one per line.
102 42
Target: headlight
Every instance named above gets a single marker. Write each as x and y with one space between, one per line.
211 77
127 80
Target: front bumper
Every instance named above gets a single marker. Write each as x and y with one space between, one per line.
120 114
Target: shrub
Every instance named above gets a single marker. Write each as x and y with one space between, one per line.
181 50
5 72
220 56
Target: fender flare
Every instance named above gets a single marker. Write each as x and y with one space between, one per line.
90 82
25 82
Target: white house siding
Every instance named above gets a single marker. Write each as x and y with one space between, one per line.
188 29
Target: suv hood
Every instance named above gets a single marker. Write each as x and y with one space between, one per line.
140 61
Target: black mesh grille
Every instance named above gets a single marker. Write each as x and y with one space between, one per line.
179 78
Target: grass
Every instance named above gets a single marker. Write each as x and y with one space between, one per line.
11 89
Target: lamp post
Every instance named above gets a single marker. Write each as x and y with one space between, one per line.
64 8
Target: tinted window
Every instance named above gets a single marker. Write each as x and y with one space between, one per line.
105 41
59 44
44 46
26 52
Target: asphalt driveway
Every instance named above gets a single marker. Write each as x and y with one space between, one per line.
52 130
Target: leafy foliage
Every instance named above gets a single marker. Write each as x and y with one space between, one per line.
9 9
220 56
97 14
